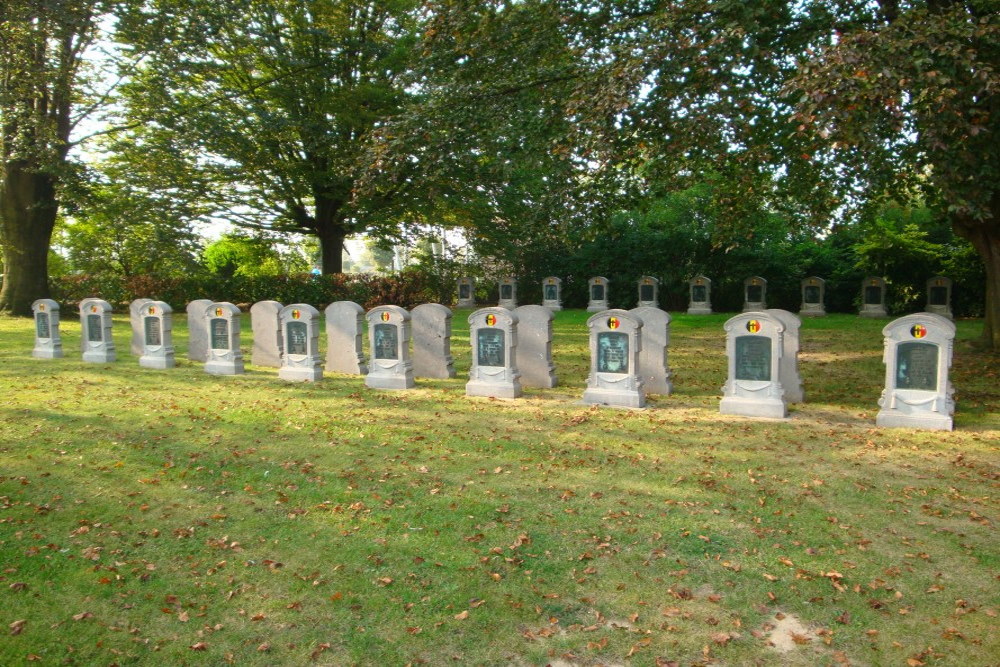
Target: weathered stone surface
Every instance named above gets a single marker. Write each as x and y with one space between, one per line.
788 368
917 356
135 319
493 333
700 296
431 330
345 327
873 297
813 297
197 332
939 296
597 289
552 293
754 294
534 347
390 366
754 349
615 346
96 342
300 360
653 366
466 292
157 336
221 323
648 289
48 341
508 293
268 342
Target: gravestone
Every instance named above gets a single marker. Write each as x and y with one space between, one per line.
598 291
873 297
197 333
268 341
157 336
754 294
615 346
534 347
552 293
221 323
96 342
493 333
653 366
917 357
754 347
48 342
649 288
788 367
700 302
432 341
466 292
345 327
939 296
813 297
135 319
508 293
300 360
389 342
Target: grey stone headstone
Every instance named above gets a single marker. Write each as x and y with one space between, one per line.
648 288
873 297
466 292
813 297
493 334
754 294
534 347
221 324
653 366
597 290
157 336
345 327
135 319
96 341
267 337
432 341
508 293
197 333
700 300
300 360
917 357
788 369
754 348
939 296
615 346
48 341
552 293
390 366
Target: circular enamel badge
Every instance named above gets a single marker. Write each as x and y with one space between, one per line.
918 331
218 312
296 314
93 307
41 306
385 316
753 326
491 319
152 310
614 323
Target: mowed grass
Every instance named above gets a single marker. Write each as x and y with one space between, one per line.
178 518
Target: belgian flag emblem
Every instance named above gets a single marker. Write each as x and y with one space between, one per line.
614 323
93 307
753 326
296 314
385 316
918 331
152 310
491 319
218 312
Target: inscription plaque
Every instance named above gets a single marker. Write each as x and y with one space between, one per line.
42 325
490 347
755 293
386 341
612 352
597 292
94 332
463 291
152 329
916 366
506 292
645 292
296 337
220 333
811 294
753 358
550 293
873 294
699 293
939 296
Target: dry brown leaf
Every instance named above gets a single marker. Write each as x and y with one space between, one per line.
461 617
82 615
200 646
17 627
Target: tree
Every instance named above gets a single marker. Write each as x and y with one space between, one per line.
237 254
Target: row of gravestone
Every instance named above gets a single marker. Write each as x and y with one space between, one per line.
700 295
628 351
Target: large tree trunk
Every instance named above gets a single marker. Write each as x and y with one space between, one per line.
331 232
985 238
28 209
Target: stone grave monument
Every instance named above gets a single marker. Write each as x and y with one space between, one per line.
649 288
48 342
552 293
300 360
96 342
700 302
534 347
615 346
432 341
754 294
268 342
653 367
873 297
197 333
345 327
939 296
389 341
135 320
813 297
221 323
788 367
493 333
598 290
157 336
917 358
466 292
754 347
508 293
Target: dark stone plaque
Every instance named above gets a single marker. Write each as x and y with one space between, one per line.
916 366
95 333
507 292
386 341
811 294
939 296
699 293
597 292
646 293
464 290
490 347
612 352
755 293
551 293
753 358
152 328
219 328
296 338
873 294
42 325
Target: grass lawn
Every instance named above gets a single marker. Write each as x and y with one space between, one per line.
179 518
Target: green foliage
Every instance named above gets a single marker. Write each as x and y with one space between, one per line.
240 255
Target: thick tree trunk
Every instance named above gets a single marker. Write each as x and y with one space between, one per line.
28 209
985 238
331 232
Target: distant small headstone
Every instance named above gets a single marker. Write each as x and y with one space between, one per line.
221 323
615 345
917 357
813 297
873 297
432 358
493 333
508 293
466 292
389 341
197 333
939 296
268 341
788 367
345 327
534 347
700 302
48 342
135 320
754 348
653 366
96 341
648 287
157 336
300 360
552 293
598 290
754 294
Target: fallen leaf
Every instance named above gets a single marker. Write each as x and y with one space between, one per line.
200 646
82 615
17 627
461 617
264 647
